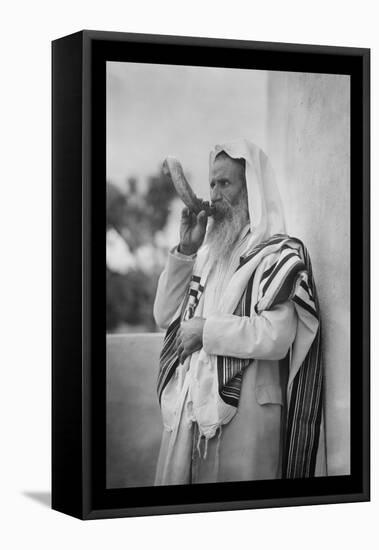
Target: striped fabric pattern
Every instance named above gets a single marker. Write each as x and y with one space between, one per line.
169 360
304 417
305 405
230 369
289 277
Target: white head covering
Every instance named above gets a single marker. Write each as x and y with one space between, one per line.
264 202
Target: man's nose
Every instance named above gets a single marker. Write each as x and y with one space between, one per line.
215 193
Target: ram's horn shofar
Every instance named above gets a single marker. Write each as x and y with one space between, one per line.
172 167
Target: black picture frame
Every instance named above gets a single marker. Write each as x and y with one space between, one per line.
78 204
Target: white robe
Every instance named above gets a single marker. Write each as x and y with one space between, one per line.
249 446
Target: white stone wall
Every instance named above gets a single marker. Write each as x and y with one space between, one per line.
309 145
134 426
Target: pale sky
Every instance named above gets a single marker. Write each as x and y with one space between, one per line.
158 110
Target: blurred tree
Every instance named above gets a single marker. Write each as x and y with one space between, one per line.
129 300
136 217
159 194
116 206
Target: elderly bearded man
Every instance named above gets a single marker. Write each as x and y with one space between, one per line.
240 381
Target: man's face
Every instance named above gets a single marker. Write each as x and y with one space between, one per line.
229 198
227 184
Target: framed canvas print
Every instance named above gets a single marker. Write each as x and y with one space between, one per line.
210 275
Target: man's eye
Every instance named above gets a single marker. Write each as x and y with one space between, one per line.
225 183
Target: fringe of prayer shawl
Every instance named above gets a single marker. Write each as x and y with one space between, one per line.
288 278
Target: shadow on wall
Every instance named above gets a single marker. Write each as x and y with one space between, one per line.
134 426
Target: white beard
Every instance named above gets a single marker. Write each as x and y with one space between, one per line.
224 229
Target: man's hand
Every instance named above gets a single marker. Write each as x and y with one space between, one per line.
192 231
190 337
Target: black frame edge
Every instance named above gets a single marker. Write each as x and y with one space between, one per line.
67 425
175 40
86 273
366 292
71 464
112 513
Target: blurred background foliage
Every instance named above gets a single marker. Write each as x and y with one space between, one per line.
137 245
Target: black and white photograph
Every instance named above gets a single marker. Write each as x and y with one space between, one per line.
189 220
228 265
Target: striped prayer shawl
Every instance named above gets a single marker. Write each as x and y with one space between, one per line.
169 359
289 277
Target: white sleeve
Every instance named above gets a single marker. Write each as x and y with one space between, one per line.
265 336
172 285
